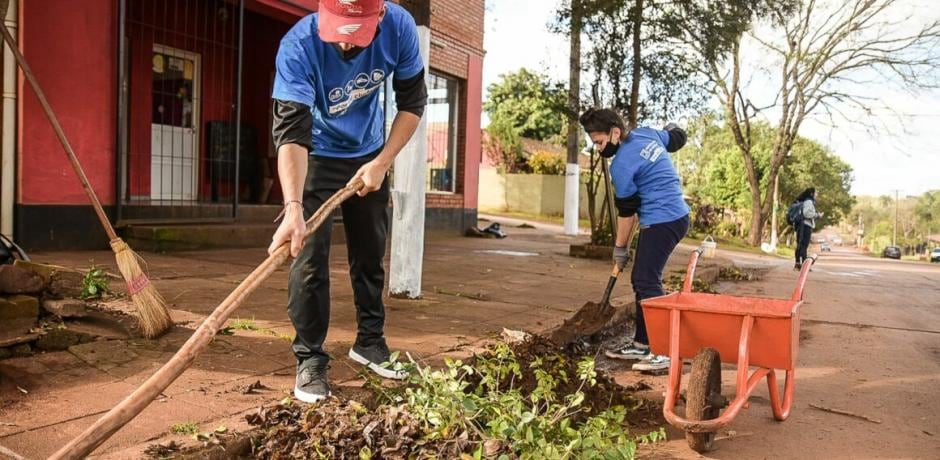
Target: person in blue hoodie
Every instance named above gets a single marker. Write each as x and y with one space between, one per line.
648 195
805 224
329 129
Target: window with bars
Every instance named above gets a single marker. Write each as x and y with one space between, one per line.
441 114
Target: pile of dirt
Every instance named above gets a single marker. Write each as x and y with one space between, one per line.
737 274
563 363
350 424
342 430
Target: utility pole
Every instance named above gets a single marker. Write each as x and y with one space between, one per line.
860 232
773 215
894 239
572 169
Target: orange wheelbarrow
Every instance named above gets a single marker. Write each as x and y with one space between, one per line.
711 329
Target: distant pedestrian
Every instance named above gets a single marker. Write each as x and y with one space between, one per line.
802 215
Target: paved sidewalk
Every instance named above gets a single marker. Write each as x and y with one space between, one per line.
472 289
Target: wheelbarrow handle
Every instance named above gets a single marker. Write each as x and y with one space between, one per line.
690 270
801 282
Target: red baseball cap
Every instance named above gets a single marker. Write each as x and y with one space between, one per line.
349 21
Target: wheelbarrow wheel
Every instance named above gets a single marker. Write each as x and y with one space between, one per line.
703 396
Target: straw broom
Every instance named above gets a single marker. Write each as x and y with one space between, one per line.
151 309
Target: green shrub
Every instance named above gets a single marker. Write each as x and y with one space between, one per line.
543 162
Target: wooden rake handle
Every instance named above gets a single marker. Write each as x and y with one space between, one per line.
137 401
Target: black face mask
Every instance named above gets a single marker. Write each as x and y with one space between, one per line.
347 55
354 51
610 149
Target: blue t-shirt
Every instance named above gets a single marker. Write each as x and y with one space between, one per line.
642 165
343 95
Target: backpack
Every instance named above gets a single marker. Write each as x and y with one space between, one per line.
10 252
795 213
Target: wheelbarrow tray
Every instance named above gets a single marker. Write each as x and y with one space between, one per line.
747 331
713 320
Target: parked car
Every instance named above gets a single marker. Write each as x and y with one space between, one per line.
935 255
892 252
825 247
837 240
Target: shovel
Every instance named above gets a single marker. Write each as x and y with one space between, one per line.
590 318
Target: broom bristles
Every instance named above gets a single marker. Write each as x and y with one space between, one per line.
154 318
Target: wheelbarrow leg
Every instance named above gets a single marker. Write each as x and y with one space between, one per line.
675 365
747 323
781 411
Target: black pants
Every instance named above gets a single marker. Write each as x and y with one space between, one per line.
803 235
365 220
652 251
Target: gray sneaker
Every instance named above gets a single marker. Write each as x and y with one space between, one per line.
631 351
311 385
653 363
376 357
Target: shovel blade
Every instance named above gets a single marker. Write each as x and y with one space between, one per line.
588 320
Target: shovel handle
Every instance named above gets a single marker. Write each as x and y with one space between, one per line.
614 274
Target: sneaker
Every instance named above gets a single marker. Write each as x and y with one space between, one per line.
631 351
797 267
653 363
373 357
311 385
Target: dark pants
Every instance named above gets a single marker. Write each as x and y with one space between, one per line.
652 251
365 220
803 235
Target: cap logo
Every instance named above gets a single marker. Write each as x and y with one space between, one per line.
350 6
348 29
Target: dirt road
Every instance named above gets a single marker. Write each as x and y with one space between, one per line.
870 345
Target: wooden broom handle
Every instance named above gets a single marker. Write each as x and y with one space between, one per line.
58 131
137 401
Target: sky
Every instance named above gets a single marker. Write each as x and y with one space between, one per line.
902 154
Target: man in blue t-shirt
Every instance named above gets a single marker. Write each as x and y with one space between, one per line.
646 185
329 130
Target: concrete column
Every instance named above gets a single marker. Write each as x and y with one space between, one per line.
408 201
8 145
572 200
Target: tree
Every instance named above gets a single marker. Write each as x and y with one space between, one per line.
829 57
529 102
712 169
574 12
634 72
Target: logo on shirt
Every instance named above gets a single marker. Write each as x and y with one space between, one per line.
336 94
362 80
360 87
652 152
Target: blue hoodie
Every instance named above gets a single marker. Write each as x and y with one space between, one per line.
642 165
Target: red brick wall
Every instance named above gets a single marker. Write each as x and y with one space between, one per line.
74 59
456 37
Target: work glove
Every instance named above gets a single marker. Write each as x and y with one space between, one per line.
621 256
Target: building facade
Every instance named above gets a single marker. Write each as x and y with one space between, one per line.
167 105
